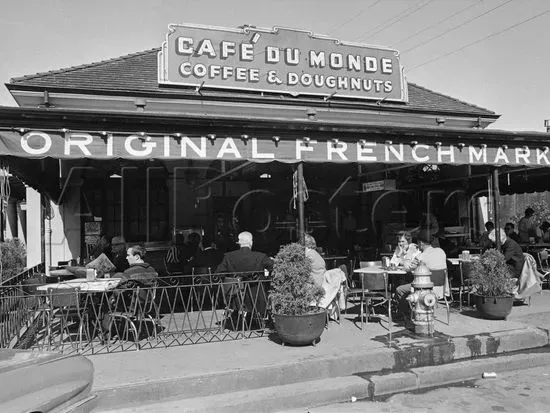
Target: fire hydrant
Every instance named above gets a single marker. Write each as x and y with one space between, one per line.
422 301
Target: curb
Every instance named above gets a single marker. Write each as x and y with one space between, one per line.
428 377
307 395
402 361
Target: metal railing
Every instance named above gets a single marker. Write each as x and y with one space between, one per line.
17 306
87 318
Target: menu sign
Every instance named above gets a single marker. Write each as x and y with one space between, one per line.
279 60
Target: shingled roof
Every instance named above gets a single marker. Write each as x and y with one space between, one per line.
137 74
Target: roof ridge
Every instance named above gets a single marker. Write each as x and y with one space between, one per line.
83 66
451 97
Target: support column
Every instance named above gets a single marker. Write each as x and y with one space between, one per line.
22 221
181 201
11 220
34 227
301 221
65 228
496 207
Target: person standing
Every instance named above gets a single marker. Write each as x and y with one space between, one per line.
349 225
527 227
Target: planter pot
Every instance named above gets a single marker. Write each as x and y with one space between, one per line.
495 308
300 329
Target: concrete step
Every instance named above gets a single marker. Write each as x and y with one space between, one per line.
267 399
414 354
299 396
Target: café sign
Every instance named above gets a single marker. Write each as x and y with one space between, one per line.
279 60
104 145
382 185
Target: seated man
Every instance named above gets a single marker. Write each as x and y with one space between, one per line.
484 242
405 250
173 261
433 257
118 251
509 230
208 256
244 260
139 273
138 269
513 254
247 265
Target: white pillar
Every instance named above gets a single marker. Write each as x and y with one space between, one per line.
11 219
22 222
34 228
65 225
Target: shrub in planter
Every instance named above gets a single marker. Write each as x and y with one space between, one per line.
13 258
292 288
293 296
493 285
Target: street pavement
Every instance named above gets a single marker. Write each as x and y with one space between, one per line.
516 391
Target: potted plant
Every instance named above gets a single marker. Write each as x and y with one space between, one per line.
294 295
493 285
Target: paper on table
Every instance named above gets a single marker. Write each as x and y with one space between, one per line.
101 264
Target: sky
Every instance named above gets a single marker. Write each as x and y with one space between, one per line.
490 53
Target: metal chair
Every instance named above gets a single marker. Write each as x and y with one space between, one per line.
439 279
465 269
375 288
333 309
233 296
134 305
63 305
544 265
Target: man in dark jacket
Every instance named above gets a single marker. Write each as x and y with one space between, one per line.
138 269
244 260
207 257
513 254
247 265
138 274
118 252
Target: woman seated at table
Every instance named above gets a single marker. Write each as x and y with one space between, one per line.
405 250
331 280
318 266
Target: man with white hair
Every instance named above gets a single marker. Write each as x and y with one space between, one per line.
244 260
249 266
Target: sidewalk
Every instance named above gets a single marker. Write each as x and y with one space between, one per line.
206 370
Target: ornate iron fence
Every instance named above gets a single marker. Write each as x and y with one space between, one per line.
91 317
17 306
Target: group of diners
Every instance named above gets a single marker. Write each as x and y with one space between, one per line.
195 252
529 232
250 265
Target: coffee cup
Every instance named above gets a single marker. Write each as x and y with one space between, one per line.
90 274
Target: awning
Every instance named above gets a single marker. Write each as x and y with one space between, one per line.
103 145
